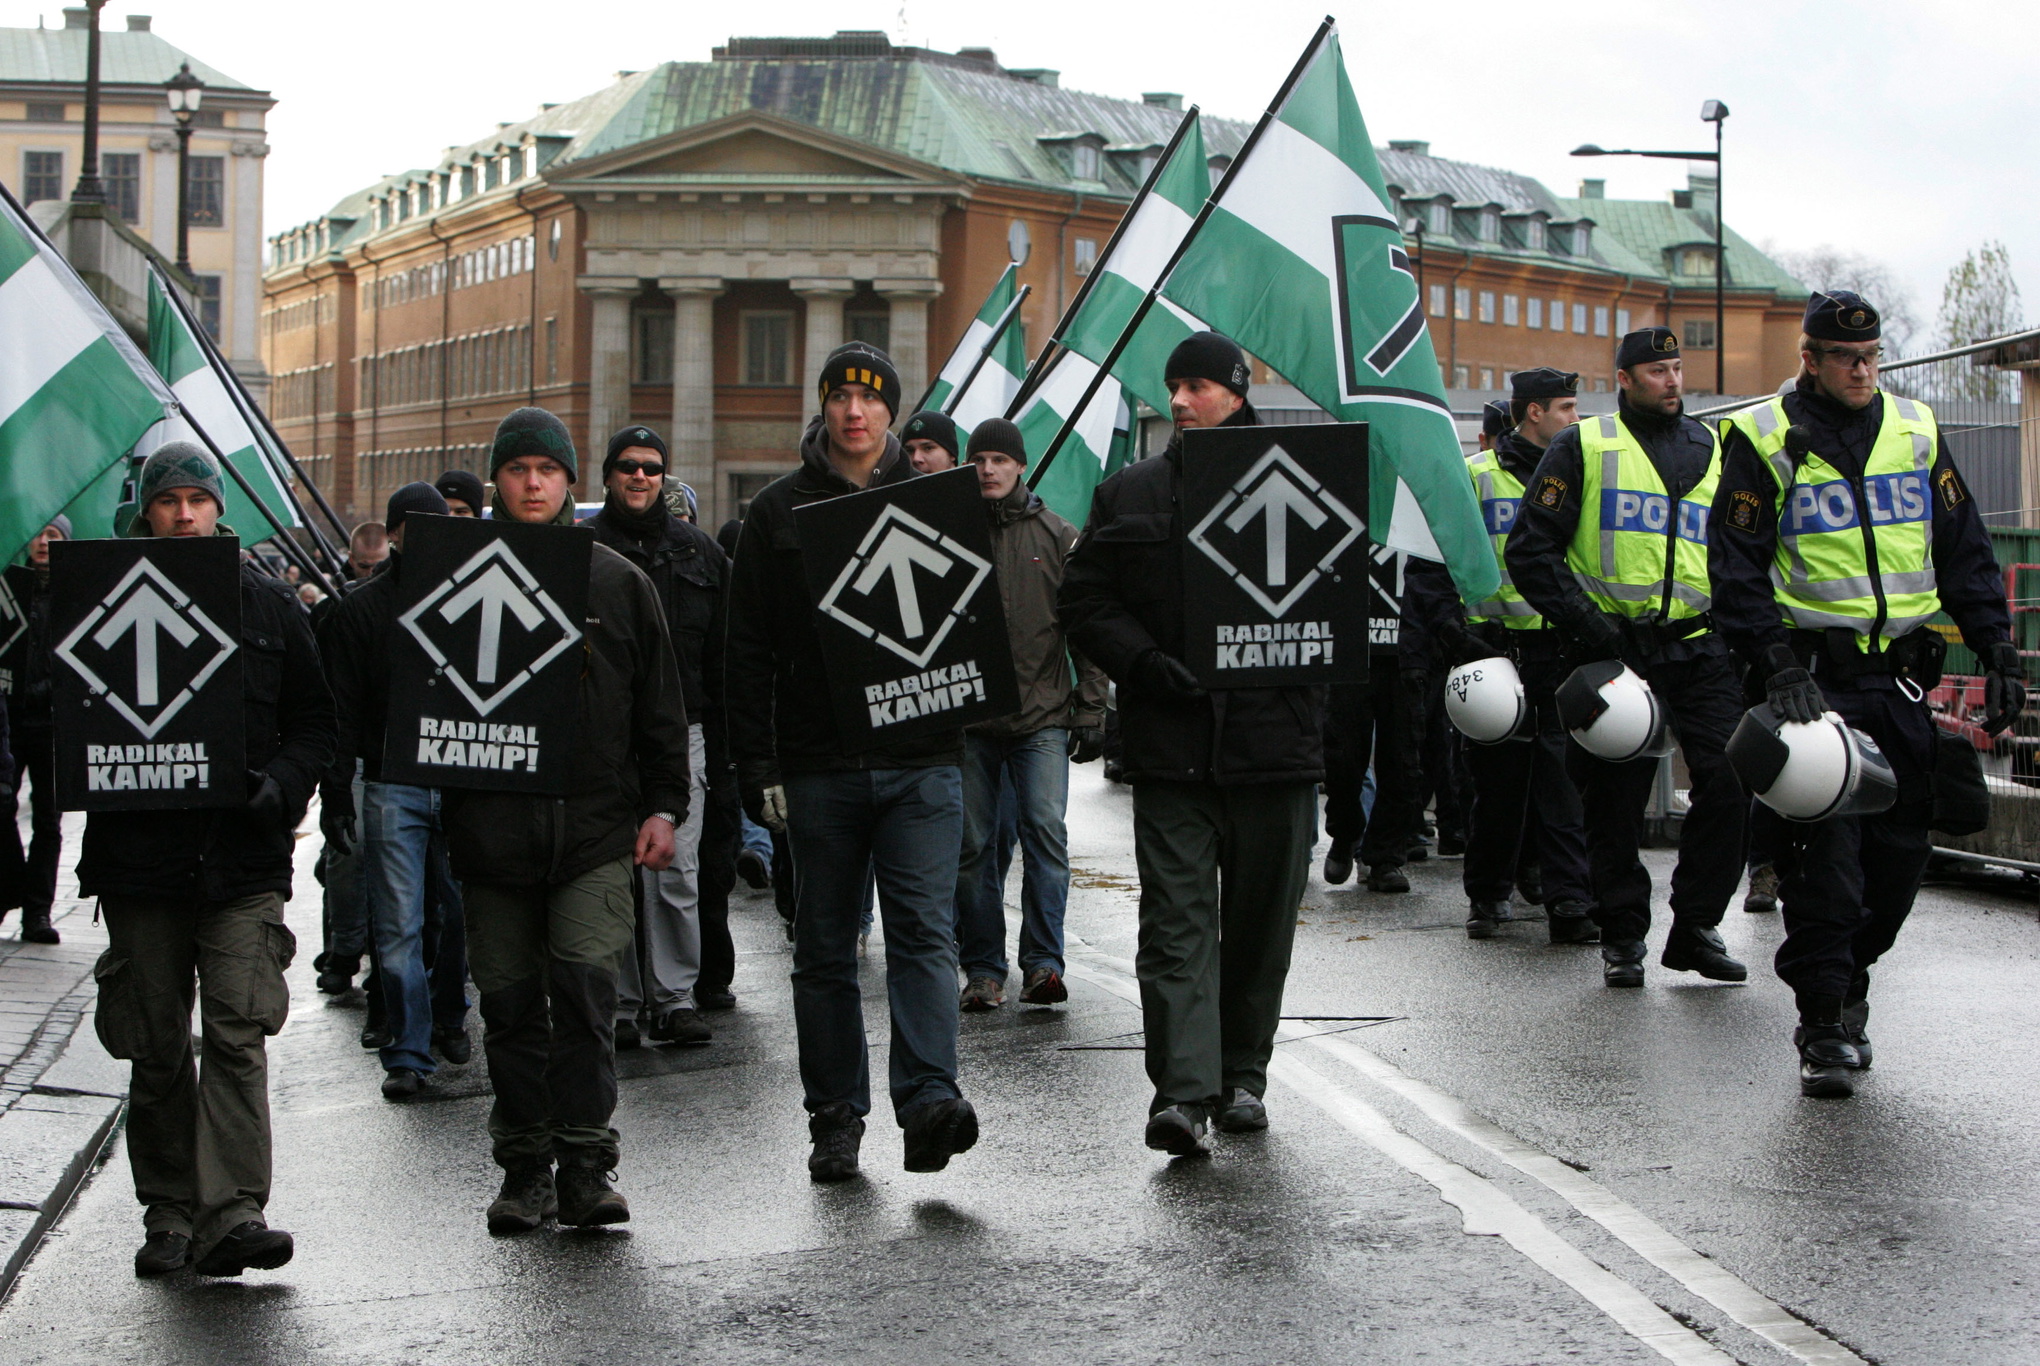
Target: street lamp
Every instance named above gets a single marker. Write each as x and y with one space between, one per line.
88 190
185 90
1714 112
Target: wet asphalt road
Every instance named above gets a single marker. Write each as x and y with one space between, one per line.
1515 1166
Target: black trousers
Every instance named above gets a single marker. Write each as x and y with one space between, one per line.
1704 699
721 834
1523 796
1445 777
1376 723
34 756
1847 885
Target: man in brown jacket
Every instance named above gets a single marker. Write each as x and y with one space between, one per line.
1061 718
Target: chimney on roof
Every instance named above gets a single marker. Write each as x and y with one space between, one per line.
1703 196
1593 189
1162 99
138 23
77 16
1414 148
1040 75
979 54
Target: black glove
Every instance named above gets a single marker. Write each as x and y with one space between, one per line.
1159 674
1790 688
1467 645
2004 688
265 797
1086 743
1600 637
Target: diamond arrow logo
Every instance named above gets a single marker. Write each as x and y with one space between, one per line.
1273 491
492 592
145 613
157 608
896 542
491 582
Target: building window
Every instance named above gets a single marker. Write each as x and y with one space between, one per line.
209 118
42 176
552 350
1487 309
1558 315
1462 377
1696 261
1487 378
1534 314
207 206
768 348
1462 303
1600 384
745 487
40 112
1084 161
654 337
1440 216
1621 322
1490 228
1600 322
871 326
1533 235
1579 319
1084 255
552 242
1510 309
1583 239
122 176
1699 334
208 301
1437 301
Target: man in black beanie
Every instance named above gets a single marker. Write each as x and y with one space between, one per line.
29 665
931 442
1224 784
548 879
463 492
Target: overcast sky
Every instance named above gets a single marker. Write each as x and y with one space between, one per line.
1899 130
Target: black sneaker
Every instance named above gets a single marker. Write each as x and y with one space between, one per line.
1698 948
1387 877
161 1253
837 1133
627 1036
1483 918
249 1246
683 1025
454 1045
937 1131
1245 1115
1178 1131
711 998
1338 863
402 1083
755 869
586 1199
526 1200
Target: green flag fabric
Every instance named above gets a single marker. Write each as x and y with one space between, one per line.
1099 444
1301 261
75 393
998 380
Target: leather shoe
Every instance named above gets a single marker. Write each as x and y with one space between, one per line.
162 1252
1387 877
1338 863
706 998
1856 1023
1483 918
402 1083
1698 948
682 1025
1622 963
1245 1115
1827 1061
454 1045
938 1131
627 1036
1569 923
250 1245
1178 1131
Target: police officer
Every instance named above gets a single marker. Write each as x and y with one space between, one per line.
1628 580
1839 527
1543 403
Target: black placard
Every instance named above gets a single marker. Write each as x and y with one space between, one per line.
486 654
148 703
1275 555
1385 569
15 639
907 604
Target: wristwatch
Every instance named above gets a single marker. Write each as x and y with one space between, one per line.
668 817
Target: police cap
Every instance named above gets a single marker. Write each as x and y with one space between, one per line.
1646 345
1841 315
1531 386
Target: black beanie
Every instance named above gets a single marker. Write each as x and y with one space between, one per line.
418 497
1207 355
1646 345
929 425
533 431
464 485
862 363
625 439
997 435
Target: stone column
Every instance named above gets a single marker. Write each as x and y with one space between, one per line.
244 282
608 361
692 440
909 300
825 299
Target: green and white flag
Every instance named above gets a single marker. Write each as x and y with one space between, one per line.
75 393
998 379
1098 445
1301 261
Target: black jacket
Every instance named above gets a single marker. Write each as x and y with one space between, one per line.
775 680
1122 595
689 572
1679 447
354 643
29 660
630 752
1739 554
228 853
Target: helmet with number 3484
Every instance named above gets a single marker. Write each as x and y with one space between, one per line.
1484 700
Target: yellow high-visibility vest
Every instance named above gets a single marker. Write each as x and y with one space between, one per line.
1637 551
1501 497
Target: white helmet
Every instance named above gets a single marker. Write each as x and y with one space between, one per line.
1484 699
1811 770
1613 713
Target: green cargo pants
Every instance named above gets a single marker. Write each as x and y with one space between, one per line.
1222 871
197 1137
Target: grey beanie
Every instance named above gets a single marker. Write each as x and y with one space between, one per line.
175 465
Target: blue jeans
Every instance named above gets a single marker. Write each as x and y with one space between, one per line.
1039 767
904 825
399 830
756 838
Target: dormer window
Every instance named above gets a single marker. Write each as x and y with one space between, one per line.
1490 224
1438 218
1583 238
1084 161
1695 260
1533 232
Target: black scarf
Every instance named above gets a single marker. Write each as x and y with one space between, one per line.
647 527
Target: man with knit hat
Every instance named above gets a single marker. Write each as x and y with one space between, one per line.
463 492
29 670
1061 719
897 808
548 878
931 441
197 897
657 976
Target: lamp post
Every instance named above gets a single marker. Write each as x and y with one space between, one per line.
1714 112
185 90
88 190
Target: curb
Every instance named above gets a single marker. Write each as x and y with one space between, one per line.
52 1207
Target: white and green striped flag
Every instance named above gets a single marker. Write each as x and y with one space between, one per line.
998 379
75 393
1301 262
1098 444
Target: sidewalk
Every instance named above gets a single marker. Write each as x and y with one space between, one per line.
60 1094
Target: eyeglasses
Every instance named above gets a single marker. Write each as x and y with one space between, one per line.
651 469
1849 360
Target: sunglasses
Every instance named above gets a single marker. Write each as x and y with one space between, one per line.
647 467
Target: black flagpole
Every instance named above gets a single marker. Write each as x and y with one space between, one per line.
985 353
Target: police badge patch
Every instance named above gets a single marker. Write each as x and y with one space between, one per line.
1952 492
1742 510
1550 492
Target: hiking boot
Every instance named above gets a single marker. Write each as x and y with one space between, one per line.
526 1200
683 1025
1044 987
1483 918
982 993
1245 1115
1387 877
1178 1131
454 1045
36 927
250 1245
627 1036
1622 962
162 1252
755 870
937 1132
1569 923
1698 948
1762 898
1338 863
837 1132
402 1083
586 1199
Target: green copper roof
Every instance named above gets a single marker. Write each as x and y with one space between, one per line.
125 58
1648 228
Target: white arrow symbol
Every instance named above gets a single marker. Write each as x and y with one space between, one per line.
145 613
1276 499
898 556
492 591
